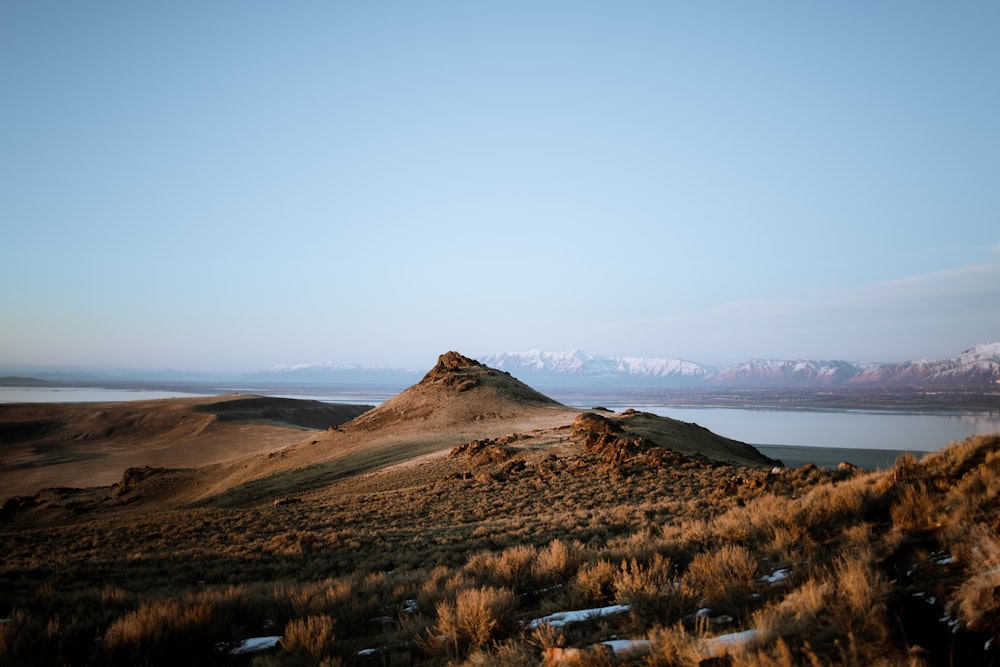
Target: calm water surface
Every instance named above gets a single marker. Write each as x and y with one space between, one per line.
83 394
849 429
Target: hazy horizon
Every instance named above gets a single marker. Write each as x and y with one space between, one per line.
234 186
220 373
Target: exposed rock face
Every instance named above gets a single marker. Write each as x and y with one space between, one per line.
607 439
483 452
455 371
132 478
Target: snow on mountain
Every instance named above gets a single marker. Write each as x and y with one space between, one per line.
796 373
975 368
986 353
335 372
321 366
576 365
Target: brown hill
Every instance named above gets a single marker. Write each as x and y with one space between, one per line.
237 451
458 402
90 444
456 393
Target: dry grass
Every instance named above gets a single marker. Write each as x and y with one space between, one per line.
476 617
310 640
429 565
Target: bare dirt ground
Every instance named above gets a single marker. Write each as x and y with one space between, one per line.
92 444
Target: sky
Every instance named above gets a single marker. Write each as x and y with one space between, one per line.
235 185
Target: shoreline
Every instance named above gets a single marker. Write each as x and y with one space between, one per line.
794 456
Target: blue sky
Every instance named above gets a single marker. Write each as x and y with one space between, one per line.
232 185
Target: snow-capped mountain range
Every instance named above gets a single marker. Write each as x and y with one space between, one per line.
977 368
576 367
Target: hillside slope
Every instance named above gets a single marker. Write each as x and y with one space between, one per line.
459 401
91 444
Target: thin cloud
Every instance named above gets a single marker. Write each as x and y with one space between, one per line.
932 315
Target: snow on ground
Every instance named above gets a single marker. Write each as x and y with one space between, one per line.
564 618
777 576
723 643
254 644
942 558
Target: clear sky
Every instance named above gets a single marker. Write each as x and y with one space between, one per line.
232 185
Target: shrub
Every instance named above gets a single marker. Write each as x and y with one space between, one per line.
594 583
310 639
650 590
790 542
860 590
477 616
557 562
833 608
673 647
511 568
914 509
161 631
798 613
976 600
724 578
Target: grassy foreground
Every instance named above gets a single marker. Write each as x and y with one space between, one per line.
450 561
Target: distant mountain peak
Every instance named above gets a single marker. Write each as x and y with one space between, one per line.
977 368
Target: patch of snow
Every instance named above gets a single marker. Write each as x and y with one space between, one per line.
410 607
777 576
563 618
367 652
988 645
722 643
255 644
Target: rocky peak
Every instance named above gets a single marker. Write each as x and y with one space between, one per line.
453 361
455 370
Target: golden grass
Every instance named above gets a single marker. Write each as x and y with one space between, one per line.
426 566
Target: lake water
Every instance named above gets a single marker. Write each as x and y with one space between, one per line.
841 429
83 394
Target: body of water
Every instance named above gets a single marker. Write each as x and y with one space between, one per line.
84 394
841 429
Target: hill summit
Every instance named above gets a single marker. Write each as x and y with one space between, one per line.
458 390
